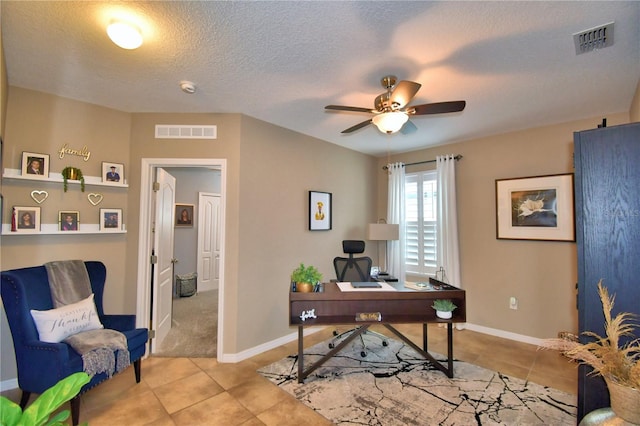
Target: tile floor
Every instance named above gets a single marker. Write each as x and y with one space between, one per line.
201 391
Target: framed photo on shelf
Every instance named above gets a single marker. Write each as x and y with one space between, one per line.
68 220
113 173
184 215
35 165
26 219
110 220
319 211
535 208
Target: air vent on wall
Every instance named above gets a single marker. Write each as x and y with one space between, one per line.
175 131
595 38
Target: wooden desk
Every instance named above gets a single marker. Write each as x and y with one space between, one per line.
402 306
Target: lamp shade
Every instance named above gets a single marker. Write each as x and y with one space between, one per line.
383 232
390 122
124 35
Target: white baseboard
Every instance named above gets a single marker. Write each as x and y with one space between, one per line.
256 350
504 334
6 385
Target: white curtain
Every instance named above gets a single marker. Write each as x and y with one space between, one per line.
395 214
447 233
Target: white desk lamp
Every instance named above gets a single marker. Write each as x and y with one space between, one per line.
383 232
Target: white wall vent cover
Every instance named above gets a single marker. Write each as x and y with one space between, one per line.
175 131
595 38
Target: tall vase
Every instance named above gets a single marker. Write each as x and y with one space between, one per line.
625 401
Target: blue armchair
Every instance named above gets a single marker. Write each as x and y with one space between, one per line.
40 364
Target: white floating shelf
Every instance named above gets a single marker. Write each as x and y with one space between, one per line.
52 229
57 177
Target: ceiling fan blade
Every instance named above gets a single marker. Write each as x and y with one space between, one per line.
408 128
437 108
403 93
348 108
357 126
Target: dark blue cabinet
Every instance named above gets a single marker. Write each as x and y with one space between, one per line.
607 196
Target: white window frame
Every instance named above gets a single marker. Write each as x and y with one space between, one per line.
420 232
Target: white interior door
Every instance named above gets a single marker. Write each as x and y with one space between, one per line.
208 241
163 243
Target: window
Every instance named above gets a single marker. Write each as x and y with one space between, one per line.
421 218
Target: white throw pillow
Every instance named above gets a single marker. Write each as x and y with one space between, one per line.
55 325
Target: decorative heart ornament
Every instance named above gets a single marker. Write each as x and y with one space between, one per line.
39 196
94 198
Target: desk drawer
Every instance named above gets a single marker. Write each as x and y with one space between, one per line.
309 312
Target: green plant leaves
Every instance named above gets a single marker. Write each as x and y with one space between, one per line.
50 400
10 412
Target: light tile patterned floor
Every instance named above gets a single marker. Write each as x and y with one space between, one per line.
201 391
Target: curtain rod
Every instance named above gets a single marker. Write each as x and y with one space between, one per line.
457 157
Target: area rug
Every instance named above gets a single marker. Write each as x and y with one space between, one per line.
393 385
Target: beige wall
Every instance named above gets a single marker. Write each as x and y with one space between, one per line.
634 111
278 168
226 146
43 123
542 275
269 173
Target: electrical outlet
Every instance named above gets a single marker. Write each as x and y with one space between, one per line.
513 303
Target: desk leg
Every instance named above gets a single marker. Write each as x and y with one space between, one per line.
302 374
300 352
450 349
448 371
425 344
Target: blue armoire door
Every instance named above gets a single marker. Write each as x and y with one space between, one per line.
607 195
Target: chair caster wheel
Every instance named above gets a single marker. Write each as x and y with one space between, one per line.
331 346
363 354
385 343
335 332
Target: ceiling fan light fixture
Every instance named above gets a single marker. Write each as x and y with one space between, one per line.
390 122
125 35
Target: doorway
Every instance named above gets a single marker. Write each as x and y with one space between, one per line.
146 280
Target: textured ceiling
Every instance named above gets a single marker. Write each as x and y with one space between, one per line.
282 62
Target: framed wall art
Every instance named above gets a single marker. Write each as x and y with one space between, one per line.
68 220
35 165
184 215
26 220
110 220
535 208
113 173
319 211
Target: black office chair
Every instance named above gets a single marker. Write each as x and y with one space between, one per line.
354 269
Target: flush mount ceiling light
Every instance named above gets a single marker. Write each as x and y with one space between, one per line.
124 35
390 122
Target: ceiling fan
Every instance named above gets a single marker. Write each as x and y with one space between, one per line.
391 108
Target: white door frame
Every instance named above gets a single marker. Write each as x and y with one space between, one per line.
145 236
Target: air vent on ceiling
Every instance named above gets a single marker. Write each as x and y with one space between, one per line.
175 131
595 38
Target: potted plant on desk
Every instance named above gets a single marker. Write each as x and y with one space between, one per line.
305 278
444 308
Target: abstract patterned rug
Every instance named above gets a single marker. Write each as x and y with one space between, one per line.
393 385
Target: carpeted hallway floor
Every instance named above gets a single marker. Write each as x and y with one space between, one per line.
194 329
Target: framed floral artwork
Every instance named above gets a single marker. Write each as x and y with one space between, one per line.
535 208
